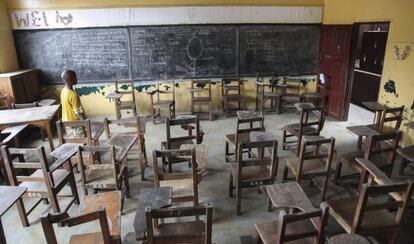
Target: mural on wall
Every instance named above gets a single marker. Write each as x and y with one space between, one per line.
93 89
389 87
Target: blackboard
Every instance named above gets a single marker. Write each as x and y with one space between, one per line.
169 52
95 54
183 51
283 49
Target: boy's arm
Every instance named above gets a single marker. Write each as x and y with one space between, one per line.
78 109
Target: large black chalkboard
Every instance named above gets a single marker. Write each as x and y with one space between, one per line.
169 52
283 49
183 51
95 54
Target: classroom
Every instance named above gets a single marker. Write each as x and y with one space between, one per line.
207 121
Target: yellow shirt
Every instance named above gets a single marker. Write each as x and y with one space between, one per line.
70 104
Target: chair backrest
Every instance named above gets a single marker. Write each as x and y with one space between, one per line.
262 78
138 123
285 220
393 116
85 124
125 87
38 160
381 194
172 154
385 142
316 120
185 122
260 159
24 105
188 236
233 83
100 151
247 124
63 218
203 84
167 90
292 85
313 149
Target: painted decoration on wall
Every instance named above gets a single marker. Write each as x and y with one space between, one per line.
389 87
82 18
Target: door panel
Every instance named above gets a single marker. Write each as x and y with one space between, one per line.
334 63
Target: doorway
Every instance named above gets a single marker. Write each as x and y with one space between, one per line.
367 60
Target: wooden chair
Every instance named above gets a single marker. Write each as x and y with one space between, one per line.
389 144
295 228
310 124
290 93
253 171
28 105
317 98
201 87
45 182
188 123
184 185
266 91
139 127
189 231
312 161
104 207
231 92
127 89
247 121
369 214
9 137
158 102
107 174
389 121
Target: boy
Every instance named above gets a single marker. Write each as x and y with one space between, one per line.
72 109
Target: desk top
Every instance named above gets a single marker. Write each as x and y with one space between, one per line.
94 202
362 130
10 132
9 195
256 136
248 114
114 95
301 106
375 106
27 115
159 197
122 143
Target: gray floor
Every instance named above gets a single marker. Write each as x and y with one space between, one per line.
227 227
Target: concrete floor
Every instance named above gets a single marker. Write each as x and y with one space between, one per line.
227 227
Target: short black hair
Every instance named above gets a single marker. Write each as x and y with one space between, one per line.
68 74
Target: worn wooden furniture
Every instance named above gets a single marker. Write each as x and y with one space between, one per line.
231 92
21 86
8 137
348 239
311 123
267 91
294 228
39 117
383 156
368 213
406 153
247 121
201 155
46 102
378 108
175 142
316 98
45 182
253 171
188 231
132 126
162 99
291 93
125 88
156 198
27 105
107 174
184 185
312 162
102 207
201 96
9 195
4 101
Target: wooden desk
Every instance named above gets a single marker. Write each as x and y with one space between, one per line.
201 155
159 197
37 116
123 143
377 108
9 195
256 136
348 239
248 115
302 106
362 131
105 200
11 132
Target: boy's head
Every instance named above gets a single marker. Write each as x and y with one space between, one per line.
69 77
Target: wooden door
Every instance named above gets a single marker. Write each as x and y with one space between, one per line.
334 57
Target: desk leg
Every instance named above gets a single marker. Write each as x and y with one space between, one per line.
2 236
49 135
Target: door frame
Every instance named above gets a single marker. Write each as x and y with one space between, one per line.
350 79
